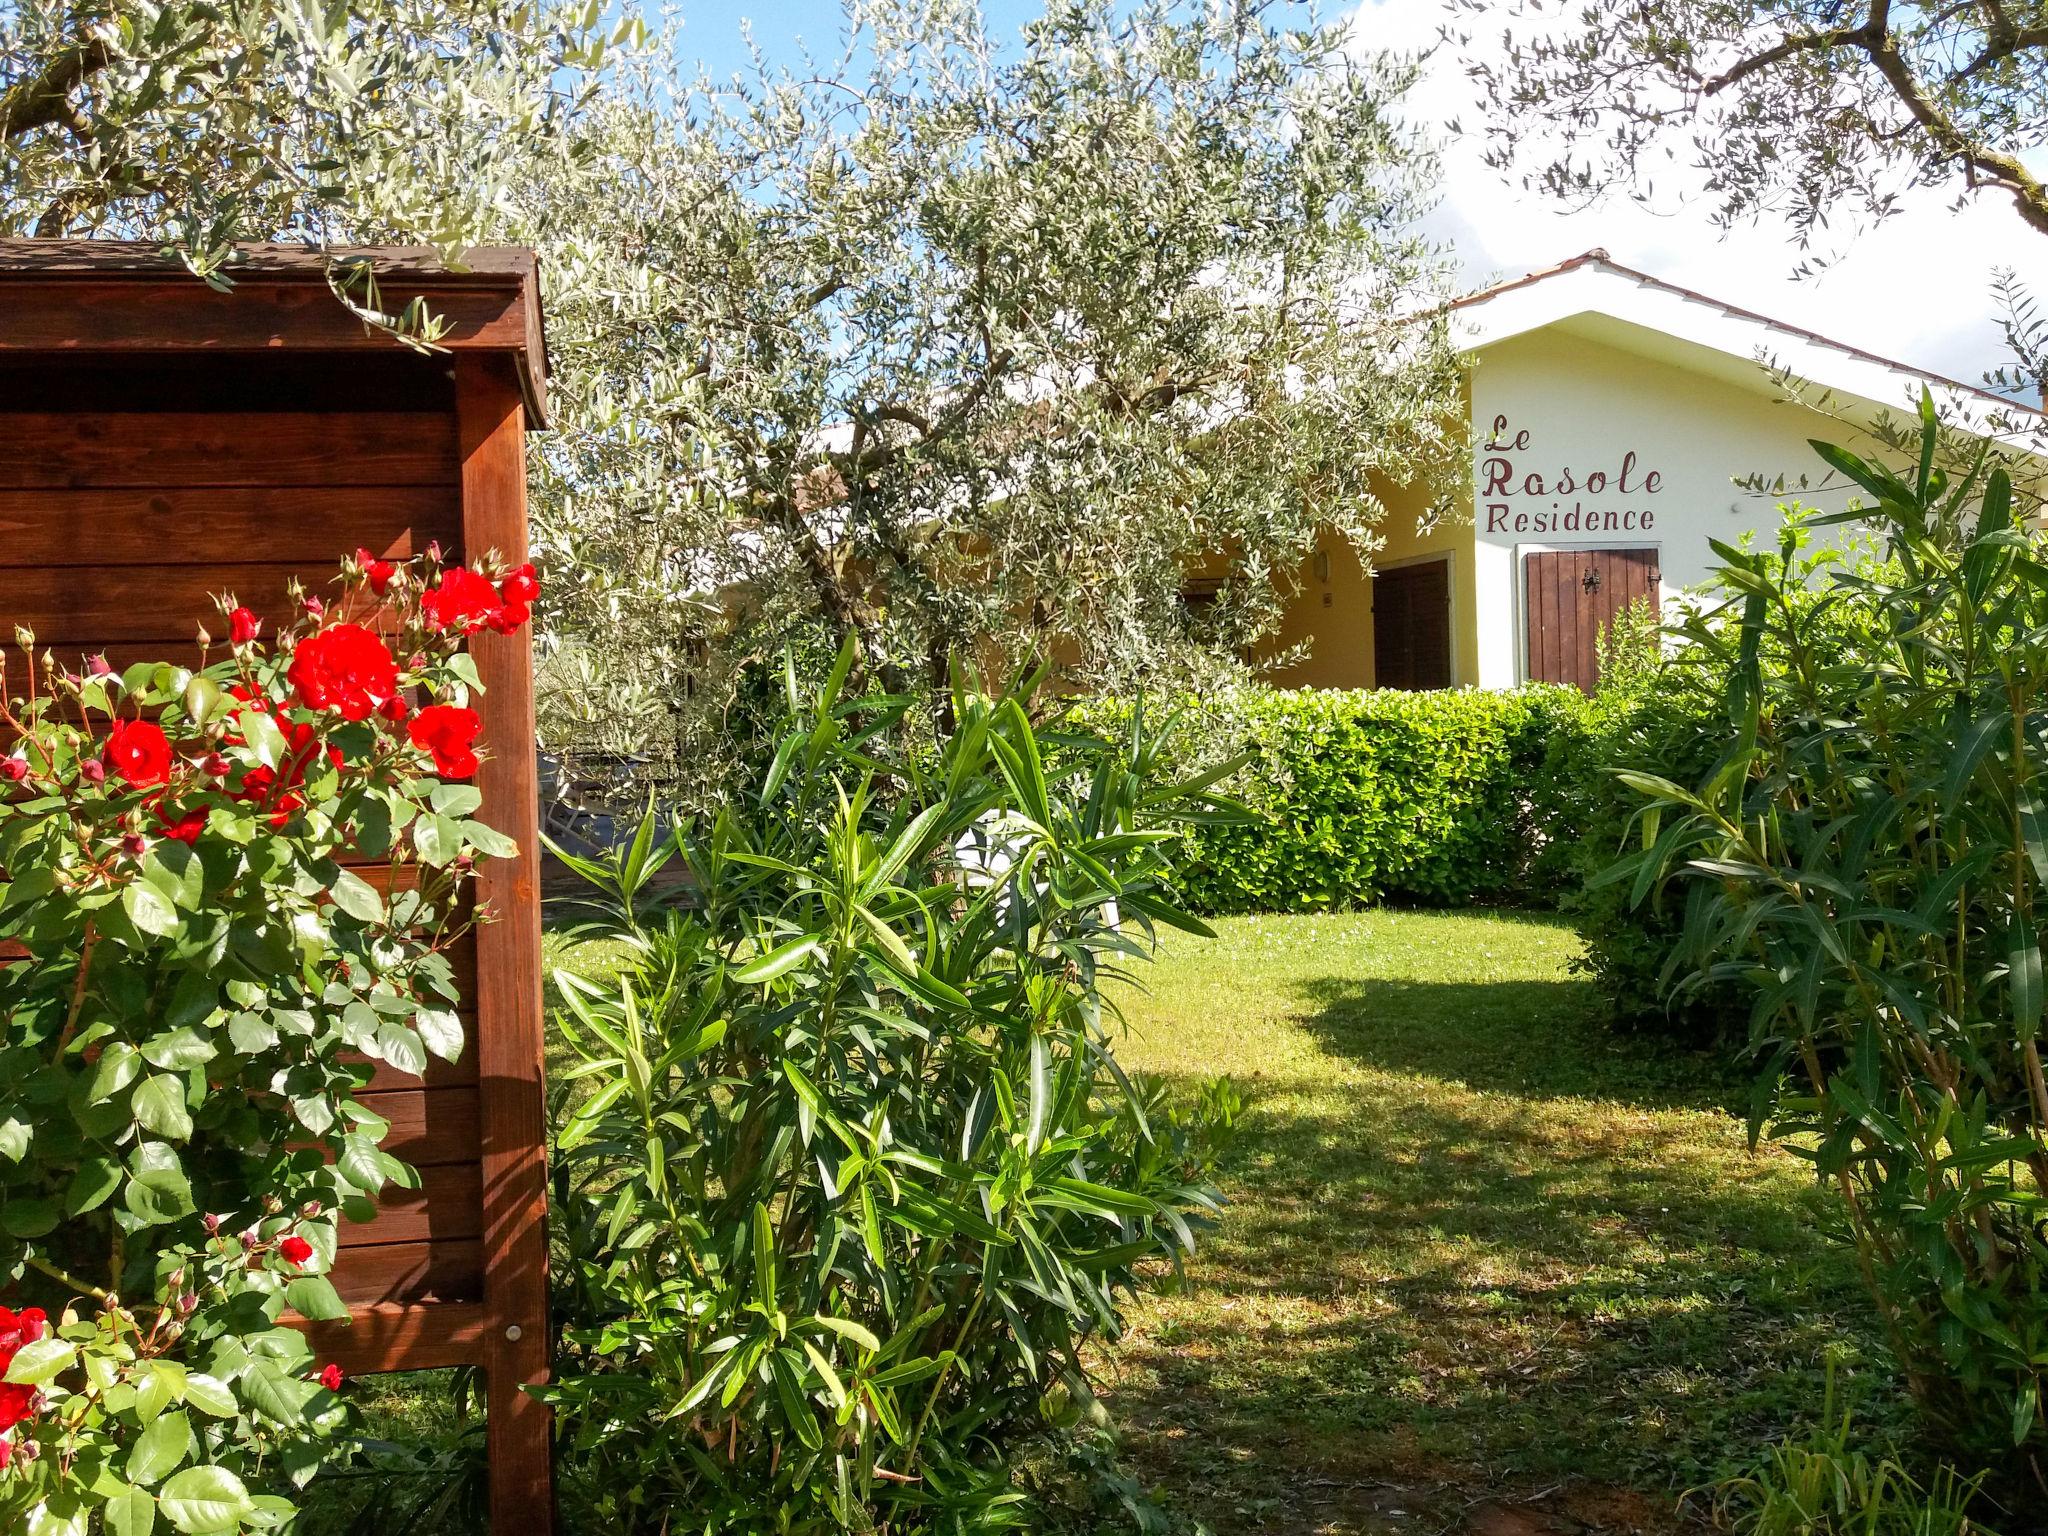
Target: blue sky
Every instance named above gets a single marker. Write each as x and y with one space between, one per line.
714 30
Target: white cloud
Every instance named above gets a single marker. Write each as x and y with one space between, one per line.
1915 288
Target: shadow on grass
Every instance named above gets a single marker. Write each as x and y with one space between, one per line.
1533 1038
1513 1251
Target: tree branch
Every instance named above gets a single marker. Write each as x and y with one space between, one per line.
45 99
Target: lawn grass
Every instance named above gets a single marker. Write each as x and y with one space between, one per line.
1478 1249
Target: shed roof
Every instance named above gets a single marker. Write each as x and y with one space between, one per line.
115 296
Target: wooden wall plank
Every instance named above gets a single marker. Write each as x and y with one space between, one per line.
137 605
448 1205
430 1127
154 450
410 1272
511 1043
381 1336
76 314
309 527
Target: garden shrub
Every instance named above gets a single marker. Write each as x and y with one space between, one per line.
197 987
1868 858
1360 798
846 1173
1653 713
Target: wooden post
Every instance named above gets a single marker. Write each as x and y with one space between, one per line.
491 434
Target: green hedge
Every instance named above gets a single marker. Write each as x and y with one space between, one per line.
1369 797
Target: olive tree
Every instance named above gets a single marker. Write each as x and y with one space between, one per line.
968 349
1805 108
201 124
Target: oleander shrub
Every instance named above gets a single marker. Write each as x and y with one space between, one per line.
196 987
1656 713
1868 860
847 1175
1823 1481
1364 797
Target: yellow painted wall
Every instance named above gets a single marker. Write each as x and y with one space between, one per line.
1335 616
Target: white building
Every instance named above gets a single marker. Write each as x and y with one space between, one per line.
1613 417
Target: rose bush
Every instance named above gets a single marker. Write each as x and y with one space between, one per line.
200 972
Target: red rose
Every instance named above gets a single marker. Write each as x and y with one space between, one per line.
395 709
508 618
375 571
13 769
295 1250
139 752
463 600
446 730
344 668
331 1377
185 828
521 586
243 626
16 1329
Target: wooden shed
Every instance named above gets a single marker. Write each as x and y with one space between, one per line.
160 441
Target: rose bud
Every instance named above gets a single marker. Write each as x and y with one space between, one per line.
330 1378
13 769
211 1222
135 845
188 1303
93 771
99 666
217 765
243 626
250 1241
315 607
272 1205
310 1209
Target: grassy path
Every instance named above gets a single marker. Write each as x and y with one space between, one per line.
1486 1268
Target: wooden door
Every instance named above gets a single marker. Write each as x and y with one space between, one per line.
1411 626
1570 597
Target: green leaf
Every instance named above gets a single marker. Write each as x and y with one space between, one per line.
401 1048
131 1512
357 897
264 738
764 1259
149 909
29 1218
158 1192
178 1049
212 1396
488 842
202 1500
119 1065
43 1361
440 1029
848 1329
174 870
159 1107
160 1449
456 799
270 1391
314 1298
777 962
436 839
92 1185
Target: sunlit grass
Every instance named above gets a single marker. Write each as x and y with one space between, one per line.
1477 1245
